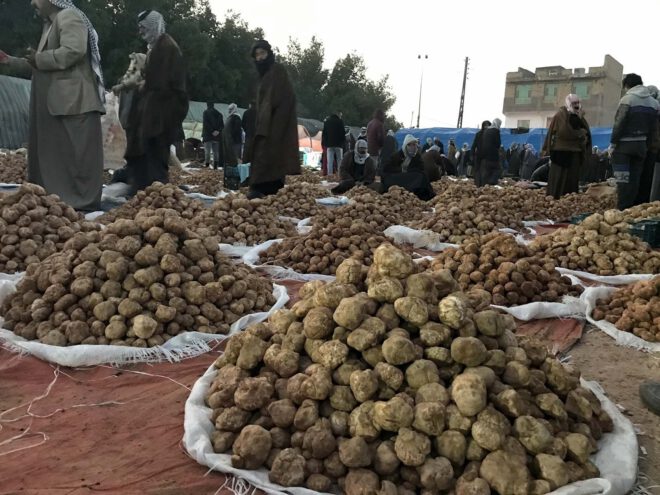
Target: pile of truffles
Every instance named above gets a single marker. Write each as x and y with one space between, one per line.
12 167
204 180
237 220
325 248
310 176
298 200
403 389
34 225
380 211
137 283
467 218
509 272
634 308
644 211
154 197
600 245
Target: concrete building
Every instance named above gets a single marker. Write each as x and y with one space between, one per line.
532 98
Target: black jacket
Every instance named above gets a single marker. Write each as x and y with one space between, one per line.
249 122
333 135
636 117
212 121
489 146
389 148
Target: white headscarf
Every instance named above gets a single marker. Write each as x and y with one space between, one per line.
92 44
570 99
408 157
497 123
360 159
153 24
232 108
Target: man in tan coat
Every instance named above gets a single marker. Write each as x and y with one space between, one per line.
65 152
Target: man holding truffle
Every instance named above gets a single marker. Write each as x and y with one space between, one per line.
273 153
65 151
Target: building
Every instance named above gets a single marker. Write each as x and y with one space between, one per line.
532 98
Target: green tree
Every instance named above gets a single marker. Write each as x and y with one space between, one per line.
305 66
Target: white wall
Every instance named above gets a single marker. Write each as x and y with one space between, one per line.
536 119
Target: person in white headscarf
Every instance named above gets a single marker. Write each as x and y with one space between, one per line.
232 136
405 168
568 143
357 168
65 148
160 107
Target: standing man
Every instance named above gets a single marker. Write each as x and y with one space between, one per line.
274 151
376 134
389 148
487 169
232 137
334 138
161 106
212 125
632 133
65 151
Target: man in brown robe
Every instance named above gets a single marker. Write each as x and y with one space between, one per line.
567 143
160 106
65 150
273 153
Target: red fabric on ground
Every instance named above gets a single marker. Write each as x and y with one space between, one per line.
559 335
131 448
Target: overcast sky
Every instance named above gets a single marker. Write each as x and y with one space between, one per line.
498 36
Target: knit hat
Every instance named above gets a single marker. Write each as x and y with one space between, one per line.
260 44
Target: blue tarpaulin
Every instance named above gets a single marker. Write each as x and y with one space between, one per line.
599 135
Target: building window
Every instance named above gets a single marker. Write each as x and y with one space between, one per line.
523 124
523 94
550 93
581 89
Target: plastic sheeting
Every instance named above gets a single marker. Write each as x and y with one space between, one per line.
14 112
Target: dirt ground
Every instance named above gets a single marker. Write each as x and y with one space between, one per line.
620 370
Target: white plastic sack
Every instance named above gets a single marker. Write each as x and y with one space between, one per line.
534 223
251 258
115 191
333 201
425 239
608 280
616 458
182 346
626 339
114 136
570 307
206 197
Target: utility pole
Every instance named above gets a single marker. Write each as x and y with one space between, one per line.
421 79
412 117
459 124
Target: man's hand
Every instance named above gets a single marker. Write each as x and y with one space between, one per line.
31 57
4 58
215 133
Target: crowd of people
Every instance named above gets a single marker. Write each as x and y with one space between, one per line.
566 160
65 148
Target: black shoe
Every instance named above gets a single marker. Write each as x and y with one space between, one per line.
252 194
649 392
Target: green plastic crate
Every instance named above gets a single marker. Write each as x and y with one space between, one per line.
648 231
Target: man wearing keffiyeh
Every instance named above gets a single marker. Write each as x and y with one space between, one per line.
65 152
160 106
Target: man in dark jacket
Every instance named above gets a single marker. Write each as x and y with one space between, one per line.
212 125
513 157
388 149
333 138
434 165
157 114
487 169
633 130
376 133
406 169
357 168
476 152
273 153
438 143
248 124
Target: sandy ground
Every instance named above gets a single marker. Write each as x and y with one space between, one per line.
620 370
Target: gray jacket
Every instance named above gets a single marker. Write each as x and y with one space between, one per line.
637 116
